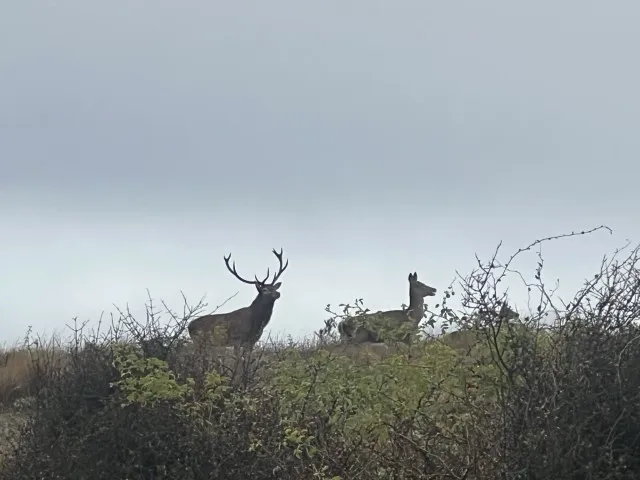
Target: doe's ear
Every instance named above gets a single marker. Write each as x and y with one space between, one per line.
277 285
413 276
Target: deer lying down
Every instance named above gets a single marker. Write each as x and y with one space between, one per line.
370 327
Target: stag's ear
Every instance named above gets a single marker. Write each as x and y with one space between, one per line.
277 285
258 287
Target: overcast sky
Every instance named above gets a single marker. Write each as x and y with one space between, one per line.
141 141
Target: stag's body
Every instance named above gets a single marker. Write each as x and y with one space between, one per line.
369 327
242 327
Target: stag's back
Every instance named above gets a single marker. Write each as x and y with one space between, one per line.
233 328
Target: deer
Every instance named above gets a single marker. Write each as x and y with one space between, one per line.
242 327
470 326
368 327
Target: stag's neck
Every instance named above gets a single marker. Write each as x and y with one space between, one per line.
261 309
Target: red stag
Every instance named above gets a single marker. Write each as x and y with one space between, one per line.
242 327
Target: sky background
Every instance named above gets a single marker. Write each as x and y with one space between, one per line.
142 141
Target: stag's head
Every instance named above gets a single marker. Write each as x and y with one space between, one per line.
267 290
418 288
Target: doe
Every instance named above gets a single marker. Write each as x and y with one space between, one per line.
370 327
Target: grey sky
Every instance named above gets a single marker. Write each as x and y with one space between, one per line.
141 141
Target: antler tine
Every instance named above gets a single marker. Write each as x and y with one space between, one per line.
232 269
281 269
265 278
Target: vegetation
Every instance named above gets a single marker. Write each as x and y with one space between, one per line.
554 394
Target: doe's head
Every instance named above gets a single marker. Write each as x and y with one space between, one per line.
419 288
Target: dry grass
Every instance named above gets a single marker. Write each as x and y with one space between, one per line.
15 363
15 366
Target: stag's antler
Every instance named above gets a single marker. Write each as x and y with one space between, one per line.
232 269
281 269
